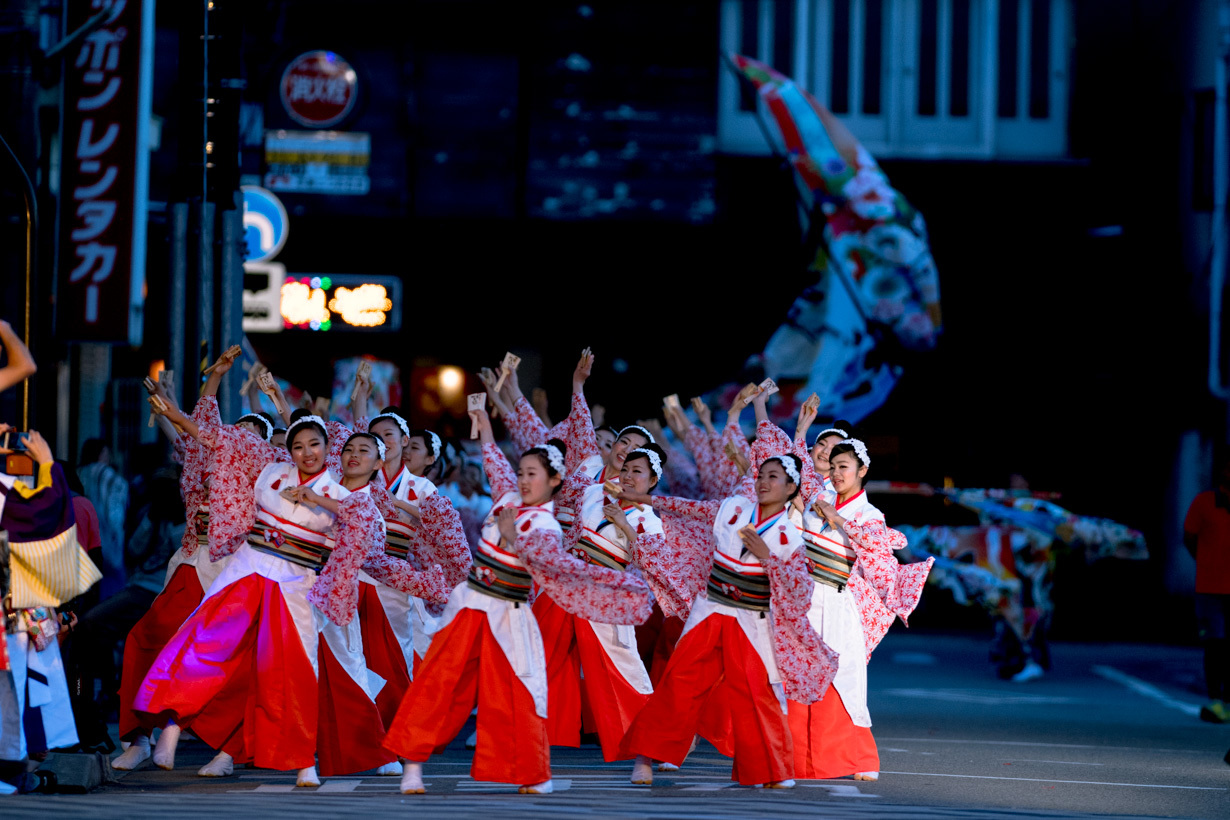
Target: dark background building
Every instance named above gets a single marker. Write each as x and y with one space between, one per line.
555 175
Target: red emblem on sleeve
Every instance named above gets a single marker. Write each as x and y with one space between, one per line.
735 517
413 495
640 527
525 527
276 484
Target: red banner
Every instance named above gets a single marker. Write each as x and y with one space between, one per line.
104 189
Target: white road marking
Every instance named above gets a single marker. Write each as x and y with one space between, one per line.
1148 690
1071 782
837 789
1063 762
987 697
1042 745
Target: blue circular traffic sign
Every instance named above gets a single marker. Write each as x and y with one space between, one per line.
265 223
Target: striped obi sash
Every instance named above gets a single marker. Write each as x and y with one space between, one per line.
264 538
595 547
396 544
202 525
499 574
736 583
830 561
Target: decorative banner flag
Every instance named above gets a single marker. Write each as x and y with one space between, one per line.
876 291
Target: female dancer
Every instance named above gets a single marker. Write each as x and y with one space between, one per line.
860 588
243 670
747 641
601 658
189 573
423 529
489 650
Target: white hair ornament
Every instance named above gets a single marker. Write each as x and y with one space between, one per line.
825 432
554 456
860 450
310 419
256 417
396 419
655 460
639 429
792 472
437 446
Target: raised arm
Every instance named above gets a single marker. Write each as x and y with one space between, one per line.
20 364
500 474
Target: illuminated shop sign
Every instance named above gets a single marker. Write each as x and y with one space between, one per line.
341 301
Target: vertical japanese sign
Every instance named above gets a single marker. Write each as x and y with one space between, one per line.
104 191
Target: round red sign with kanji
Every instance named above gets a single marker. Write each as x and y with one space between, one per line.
319 89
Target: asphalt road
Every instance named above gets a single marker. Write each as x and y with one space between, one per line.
1112 731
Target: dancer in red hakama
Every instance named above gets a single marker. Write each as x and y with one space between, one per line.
243 671
489 650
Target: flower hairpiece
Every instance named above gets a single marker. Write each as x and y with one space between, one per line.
787 463
257 417
860 450
554 456
655 460
640 430
836 430
396 419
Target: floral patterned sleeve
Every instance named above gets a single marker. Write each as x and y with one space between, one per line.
362 423
524 426
360 537
338 433
594 593
445 540
500 474
770 441
581 439
806 662
430 584
193 486
883 588
704 510
380 494
672 567
237 460
697 442
206 413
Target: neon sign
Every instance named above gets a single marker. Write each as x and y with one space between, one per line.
341 302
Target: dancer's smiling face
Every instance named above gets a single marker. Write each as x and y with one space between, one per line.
307 449
535 482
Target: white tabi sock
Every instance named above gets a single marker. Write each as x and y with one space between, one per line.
307 777
223 765
137 753
642 771
164 751
412 778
